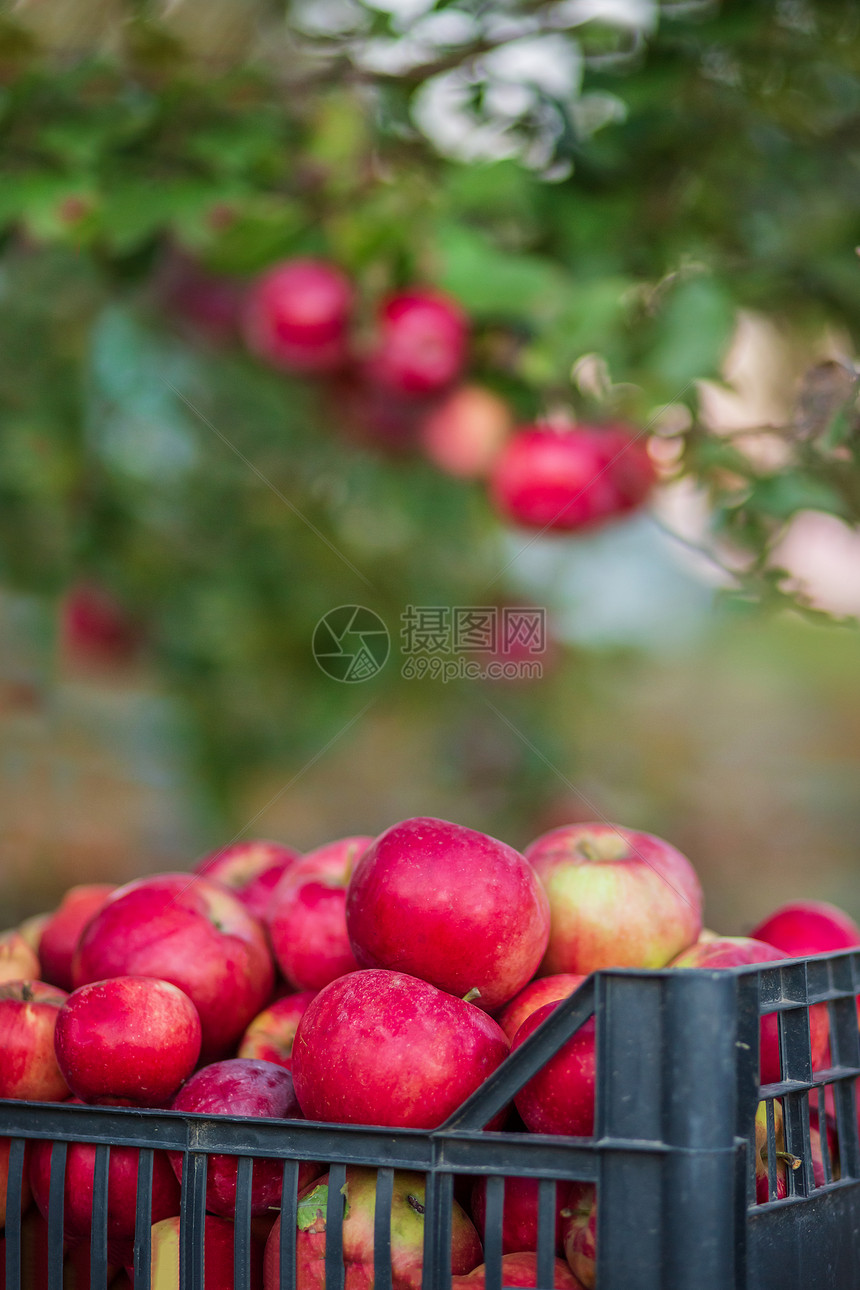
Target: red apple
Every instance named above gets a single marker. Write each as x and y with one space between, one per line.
569 479
240 1086
18 961
738 951
218 1236
421 345
520 1212
580 1233
64 927
193 933
28 1016
252 870
560 1097
466 432
384 1048
618 898
35 1265
456 908
306 916
130 1040
546 989
95 629
808 927
518 1270
5 1146
297 314
271 1035
407 1234
122 1189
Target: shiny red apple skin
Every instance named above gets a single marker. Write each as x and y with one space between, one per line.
380 1047
122 1188
245 1087
569 479
251 870
5 1147
518 1269
63 930
296 316
740 951
407 1234
271 1035
618 898
18 960
465 433
560 1097
519 1213
28 1017
546 989
454 907
306 916
422 341
218 1238
808 927
130 1040
193 933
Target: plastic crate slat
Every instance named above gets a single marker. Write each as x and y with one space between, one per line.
56 1203
12 1233
192 1222
382 1229
98 1235
242 1224
546 1232
143 1219
493 1231
334 1270
287 1232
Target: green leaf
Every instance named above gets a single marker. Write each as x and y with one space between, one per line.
784 495
693 331
312 1208
490 281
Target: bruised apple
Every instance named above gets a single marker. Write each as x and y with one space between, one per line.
407 1234
193 933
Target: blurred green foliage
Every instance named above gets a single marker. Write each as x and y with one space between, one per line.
705 163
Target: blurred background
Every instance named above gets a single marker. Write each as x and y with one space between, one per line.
647 214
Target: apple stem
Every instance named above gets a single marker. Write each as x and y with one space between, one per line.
472 995
26 992
416 1204
794 1161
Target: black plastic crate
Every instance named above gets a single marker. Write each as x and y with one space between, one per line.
672 1153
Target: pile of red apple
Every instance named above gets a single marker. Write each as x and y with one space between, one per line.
395 376
371 981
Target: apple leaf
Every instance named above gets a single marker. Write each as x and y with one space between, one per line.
312 1209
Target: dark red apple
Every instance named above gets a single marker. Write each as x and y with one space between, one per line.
271 1035
28 1017
520 1212
738 951
240 1086
122 1188
519 1270
306 917
380 1047
297 316
560 1097
252 870
546 989
218 1254
193 933
422 341
618 898
407 1234
95 629
808 927
569 479
18 960
63 930
456 908
464 435
130 1040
